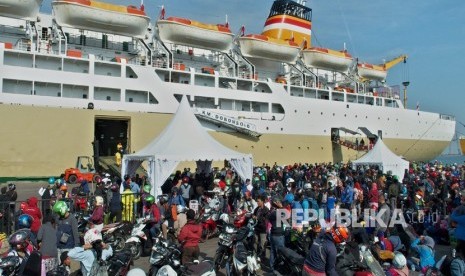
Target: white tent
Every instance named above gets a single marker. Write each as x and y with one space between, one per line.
381 155
184 139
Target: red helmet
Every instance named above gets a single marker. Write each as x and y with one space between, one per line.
339 234
185 179
447 174
80 179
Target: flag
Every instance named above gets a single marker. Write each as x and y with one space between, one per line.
162 13
242 31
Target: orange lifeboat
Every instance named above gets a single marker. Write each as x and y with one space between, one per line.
265 47
22 9
192 33
327 59
372 72
101 17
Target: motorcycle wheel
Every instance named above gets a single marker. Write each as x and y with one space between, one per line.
217 260
136 249
119 243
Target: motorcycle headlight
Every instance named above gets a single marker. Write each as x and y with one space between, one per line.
163 271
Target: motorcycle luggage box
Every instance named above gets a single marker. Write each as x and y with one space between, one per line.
292 256
199 269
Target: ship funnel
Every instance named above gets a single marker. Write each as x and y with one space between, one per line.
289 20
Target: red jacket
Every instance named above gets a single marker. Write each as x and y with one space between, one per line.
191 233
34 212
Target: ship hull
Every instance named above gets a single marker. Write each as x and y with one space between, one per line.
75 15
21 9
43 141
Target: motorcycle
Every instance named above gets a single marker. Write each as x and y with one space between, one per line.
139 243
244 257
9 266
119 264
166 260
225 247
116 234
288 261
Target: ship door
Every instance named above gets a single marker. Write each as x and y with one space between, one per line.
110 132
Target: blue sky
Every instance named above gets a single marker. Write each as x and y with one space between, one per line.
431 33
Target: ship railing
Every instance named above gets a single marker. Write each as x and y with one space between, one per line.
447 117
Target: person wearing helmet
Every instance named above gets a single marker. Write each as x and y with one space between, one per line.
399 266
35 213
97 215
248 203
190 235
20 245
92 249
176 198
181 219
127 198
63 192
24 221
67 236
321 257
291 188
165 213
151 215
114 203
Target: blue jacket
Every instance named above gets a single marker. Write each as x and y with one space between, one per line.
460 220
289 198
347 195
177 200
425 252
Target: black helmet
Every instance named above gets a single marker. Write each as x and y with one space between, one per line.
163 199
19 238
11 187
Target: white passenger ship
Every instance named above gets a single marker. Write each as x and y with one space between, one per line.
94 71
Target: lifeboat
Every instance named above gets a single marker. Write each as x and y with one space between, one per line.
327 59
21 9
192 33
372 72
101 17
261 46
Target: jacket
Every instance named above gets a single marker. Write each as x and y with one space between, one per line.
347 195
425 252
97 215
322 255
47 236
35 213
460 220
191 234
115 202
87 257
261 214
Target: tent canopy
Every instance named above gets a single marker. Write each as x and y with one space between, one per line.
381 155
184 139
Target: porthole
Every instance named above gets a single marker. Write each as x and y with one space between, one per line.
308 112
321 113
356 116
295 110
334 114
345 115
281 129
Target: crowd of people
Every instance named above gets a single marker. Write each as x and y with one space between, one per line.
430 195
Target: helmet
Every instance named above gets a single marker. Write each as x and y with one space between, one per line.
225 218
147 188
163 199
51 180
185 179
339 234
60 208
63 188
98 200
399 260
136 272
307 186
11 187
180 209
24 221
114 187
19 238
92 235
150 199
289 180
276 199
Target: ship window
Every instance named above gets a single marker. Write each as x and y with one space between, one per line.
46 89
130 73
108 94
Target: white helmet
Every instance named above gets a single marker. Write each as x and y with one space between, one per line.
289 180
92 235
307 186
136 272
98 200
399 260
180 209
224 218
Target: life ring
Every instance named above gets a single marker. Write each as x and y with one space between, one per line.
281 80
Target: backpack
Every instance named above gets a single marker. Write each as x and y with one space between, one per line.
99 267
446 265
65 236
